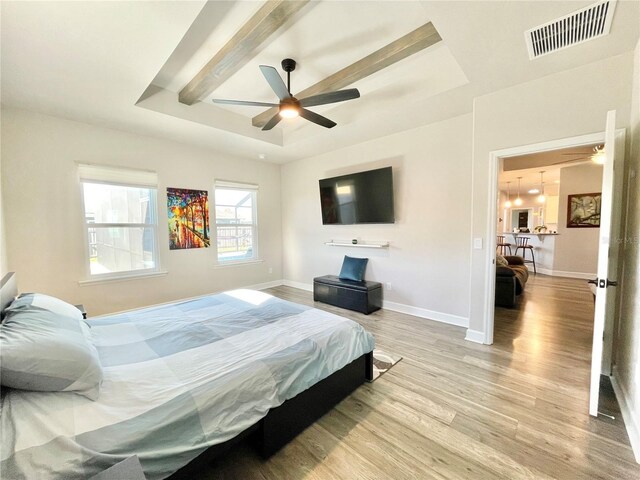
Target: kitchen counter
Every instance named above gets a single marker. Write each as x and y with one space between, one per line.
515 234
543 247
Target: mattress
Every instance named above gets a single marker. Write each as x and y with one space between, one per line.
178 378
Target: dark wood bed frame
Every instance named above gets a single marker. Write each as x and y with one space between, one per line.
282 424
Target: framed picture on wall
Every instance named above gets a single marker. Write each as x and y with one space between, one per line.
188 212
583 210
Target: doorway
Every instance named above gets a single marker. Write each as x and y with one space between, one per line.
497 159
521 218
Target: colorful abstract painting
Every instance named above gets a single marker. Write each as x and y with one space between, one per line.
188 218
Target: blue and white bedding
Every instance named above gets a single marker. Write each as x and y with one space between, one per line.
178 378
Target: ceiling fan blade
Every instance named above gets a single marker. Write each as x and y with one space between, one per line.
318 119
273 122
572 160
242 102
275 81
330 97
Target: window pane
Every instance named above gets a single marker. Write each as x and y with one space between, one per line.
120 249
245 215
225 214
117 204
235 243
235 224
231 197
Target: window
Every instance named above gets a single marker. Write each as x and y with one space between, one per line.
120 221
236 225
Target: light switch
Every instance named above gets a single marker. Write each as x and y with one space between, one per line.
477 243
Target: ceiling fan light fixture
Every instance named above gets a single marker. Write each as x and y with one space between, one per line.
289 111
599 156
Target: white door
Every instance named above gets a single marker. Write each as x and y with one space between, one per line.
605 271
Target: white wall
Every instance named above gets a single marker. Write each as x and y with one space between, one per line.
428 262
577 248
43 213
566 104
627 345
3 234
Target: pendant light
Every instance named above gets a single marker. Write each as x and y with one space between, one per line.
541 197
507 204
518 201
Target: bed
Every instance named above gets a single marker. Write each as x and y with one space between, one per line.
185 381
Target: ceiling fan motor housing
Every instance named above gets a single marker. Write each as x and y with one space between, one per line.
288 65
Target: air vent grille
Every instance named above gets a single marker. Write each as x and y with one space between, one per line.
578 27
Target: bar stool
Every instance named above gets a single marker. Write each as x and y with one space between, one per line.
523 243
502 246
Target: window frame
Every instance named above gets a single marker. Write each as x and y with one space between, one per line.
252 189
126 274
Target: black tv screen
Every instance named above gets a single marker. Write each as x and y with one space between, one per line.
364 197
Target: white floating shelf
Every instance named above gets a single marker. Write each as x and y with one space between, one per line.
359 245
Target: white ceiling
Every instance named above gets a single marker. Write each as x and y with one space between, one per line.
92 61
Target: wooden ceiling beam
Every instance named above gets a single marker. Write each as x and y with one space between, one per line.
413 42
238 51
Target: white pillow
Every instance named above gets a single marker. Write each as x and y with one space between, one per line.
39 300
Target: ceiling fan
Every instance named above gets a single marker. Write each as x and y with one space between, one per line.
290 106
598 156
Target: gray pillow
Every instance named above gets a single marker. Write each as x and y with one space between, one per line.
27 301
47 352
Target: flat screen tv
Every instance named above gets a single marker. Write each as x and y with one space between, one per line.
364 197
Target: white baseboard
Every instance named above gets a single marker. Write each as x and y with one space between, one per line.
424 313
544 271
265 285
630 420
562 273
302 286
400 307
474 336
581 275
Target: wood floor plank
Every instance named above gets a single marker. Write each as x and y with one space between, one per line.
389 458
521 452
420 445
452 409
452 440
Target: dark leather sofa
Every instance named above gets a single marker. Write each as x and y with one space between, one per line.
510 281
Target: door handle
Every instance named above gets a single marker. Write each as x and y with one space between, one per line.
602 283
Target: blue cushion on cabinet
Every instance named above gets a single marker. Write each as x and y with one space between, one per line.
353 268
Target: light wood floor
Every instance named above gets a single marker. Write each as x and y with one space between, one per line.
452 409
